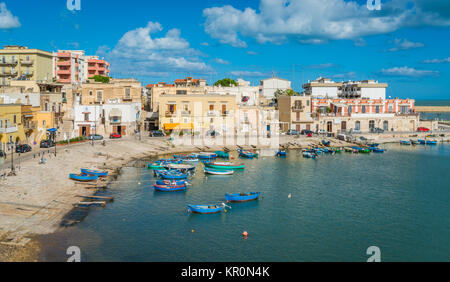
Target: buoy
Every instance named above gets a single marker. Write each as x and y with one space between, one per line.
289 196
192 231
245 234
139 183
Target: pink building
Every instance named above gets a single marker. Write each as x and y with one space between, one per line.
96 66
69 66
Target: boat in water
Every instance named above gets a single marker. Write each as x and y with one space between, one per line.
404 142
83 177
373 145
309 155
94 172
206 209
222 154
427 142
169 187
281 153
242 197
361 150
206 156
224 165
180 167
172 174
326 143
171 182
376 150
247 154
218 171
186 158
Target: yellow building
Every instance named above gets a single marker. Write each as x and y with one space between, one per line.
35 123
11 129
196 112
21 62
116 91
295 112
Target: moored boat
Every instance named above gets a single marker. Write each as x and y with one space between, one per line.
206 155
373 145
309 155
83 177
169 188
224 165
171 182
206 209
171 174
222 154
404 142
376 150
181 167
94 172
242 197
247 154
326 143
431 142
281 153
218 171
155 166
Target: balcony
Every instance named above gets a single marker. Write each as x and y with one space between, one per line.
30 126
9 129
65 80
63 63
225 113
298 108
212 113
26 62
170 114
63 72
5 73
185 113
115 120
30 73
8 62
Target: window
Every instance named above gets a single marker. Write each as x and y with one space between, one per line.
358 125
99 96
350 108
86 117
211 107
127 93
391 108
371 124
363 109
224 109
377 109
90 93
1 123
404 109
386 125
44 123
15 119
181 92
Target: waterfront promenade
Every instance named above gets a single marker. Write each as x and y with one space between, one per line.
433 109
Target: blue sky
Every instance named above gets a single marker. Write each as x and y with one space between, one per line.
405 44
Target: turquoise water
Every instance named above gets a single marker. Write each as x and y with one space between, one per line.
433 116
339 206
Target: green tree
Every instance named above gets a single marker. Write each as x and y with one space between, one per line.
226 82
99 78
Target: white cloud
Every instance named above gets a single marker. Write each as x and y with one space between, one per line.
204 44
408 71
247 73
437 61
252 53
7 20
322 66
405 44
316 21
344 76
139 52
221 61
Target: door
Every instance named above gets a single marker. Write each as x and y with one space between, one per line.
308 127
297 127
344 126
119 130
330 126
123 130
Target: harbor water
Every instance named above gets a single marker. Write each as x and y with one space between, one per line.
329 209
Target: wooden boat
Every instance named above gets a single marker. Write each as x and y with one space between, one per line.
242 197
155 166
218 171
169 188
222 154
373 145
94 172
431 142
206 156
171 182
376 150
281 153
247 154
361 150
404 142
171 174
83 177
414 142
224 165
351 150
181 167
168 161
326 143
309 155
206 209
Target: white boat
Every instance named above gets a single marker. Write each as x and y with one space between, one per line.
218 172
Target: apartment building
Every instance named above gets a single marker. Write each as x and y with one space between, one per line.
97 66
70 66
295 112
269 86
11 129
21 63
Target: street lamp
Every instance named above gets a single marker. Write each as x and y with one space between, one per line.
11 147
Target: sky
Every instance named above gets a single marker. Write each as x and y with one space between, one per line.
405 43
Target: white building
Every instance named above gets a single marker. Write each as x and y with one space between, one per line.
270 85
245 94
322 87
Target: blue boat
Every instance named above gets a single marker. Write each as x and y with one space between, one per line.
180 167
247 154
373 145
376 150
421 141
242 197
326 143
309 155
206 156
169 188
403 142
94 172
171 182
429 142
83 177
281 153
170 174
206 209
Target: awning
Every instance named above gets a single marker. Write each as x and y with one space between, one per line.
115 112
51 130
170 126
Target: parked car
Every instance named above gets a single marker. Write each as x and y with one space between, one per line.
306 132
23 148
342 137
321 131
156 133
362 138
292 132
423 129
115 136
376 130
2 154
47 144
212 133
355 131
95 137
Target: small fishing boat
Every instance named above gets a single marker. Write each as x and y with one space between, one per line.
376 150
206 209
94 172
224 165
184 156
404 142
180 167
169 188
83 177
373 145
206 156
281 153
431 142
222 154
247 154
171 182
414 142
309 155
351 150
326 143
361 150
242 197
218 171
170 174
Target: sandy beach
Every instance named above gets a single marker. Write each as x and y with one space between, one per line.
35 200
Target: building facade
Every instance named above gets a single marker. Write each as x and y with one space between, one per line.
97 66
269 86
70 66
11 129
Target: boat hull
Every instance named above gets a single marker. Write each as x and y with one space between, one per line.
83 178
205 209
224 167
169 188
218 172
94 172
242 198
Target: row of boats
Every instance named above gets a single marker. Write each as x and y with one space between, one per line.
88 175
418 142
174 173
315 152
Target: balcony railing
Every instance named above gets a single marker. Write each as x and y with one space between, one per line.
170 114
225 113
8 129
298 108
26 62
185 113
212 113
8 62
